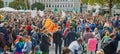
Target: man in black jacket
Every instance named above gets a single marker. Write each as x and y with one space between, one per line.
45 43
70 37
57 37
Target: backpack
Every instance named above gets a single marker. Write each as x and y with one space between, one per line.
104 44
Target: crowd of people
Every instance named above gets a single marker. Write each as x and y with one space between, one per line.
22 34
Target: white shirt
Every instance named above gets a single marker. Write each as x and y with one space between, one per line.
74 46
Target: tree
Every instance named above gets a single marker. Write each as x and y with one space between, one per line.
103 2
18 4
38 6
1 3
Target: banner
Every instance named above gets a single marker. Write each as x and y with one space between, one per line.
33 13
92 44
63 14
41 13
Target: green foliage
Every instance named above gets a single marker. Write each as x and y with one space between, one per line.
18 4
100 2
1 3
38 6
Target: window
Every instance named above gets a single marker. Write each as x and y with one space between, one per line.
52 5
55 5
60 5
71 5
49 5
63 5
68 5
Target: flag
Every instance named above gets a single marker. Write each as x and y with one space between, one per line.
50 26
74 10
47 23
63 14
41 13
66 30
55 10
33 13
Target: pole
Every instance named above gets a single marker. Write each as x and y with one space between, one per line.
80 6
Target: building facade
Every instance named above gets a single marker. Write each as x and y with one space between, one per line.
6 2
61 4
66 5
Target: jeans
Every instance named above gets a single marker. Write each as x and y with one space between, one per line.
58 47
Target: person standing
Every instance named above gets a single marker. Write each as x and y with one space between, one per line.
35 39
19 46
28 28
58 37
87 35
45 43
109 46
117 39
28 45
15 32
71 36
2 43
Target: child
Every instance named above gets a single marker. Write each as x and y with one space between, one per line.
28 45
19 46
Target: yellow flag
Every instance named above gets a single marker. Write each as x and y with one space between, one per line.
47 23
50 26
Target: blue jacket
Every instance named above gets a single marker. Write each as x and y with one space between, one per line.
35 39
92 26
115 23
18 48
110 29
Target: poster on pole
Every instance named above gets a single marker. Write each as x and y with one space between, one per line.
92 44
33 13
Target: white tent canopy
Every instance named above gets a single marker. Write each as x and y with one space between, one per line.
24 10
7 9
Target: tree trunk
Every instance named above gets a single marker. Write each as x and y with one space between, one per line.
110 8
